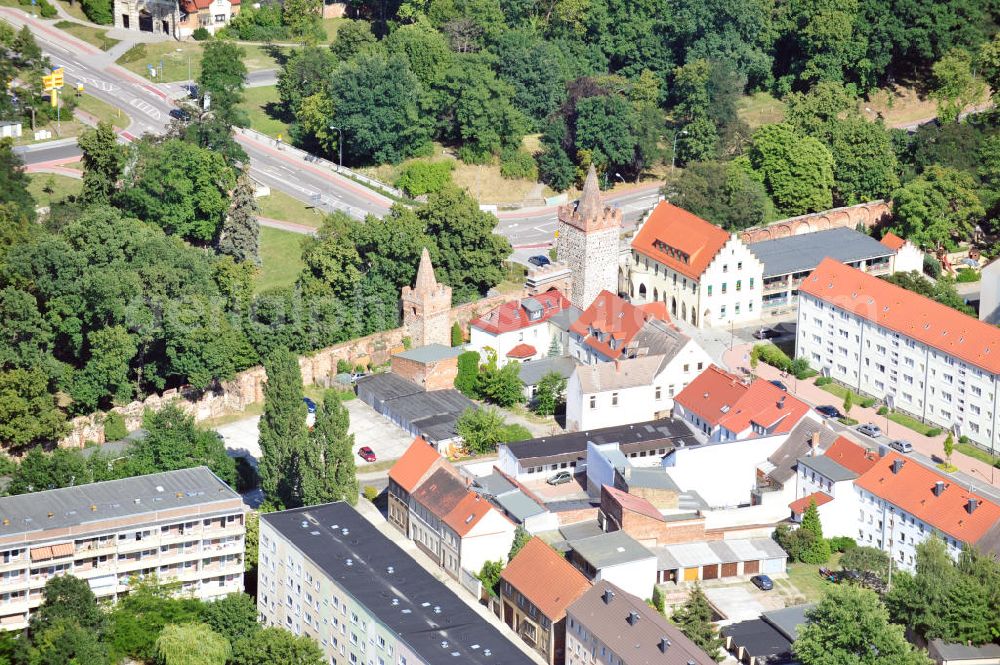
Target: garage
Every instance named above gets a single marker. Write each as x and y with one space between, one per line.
690 574
751 567
710 572
729 569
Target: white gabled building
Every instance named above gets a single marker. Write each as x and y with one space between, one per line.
523 330
921 357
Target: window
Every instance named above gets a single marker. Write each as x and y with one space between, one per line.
614 399
658 392
723 287
593 401
687 368
701 365
739 285
220 18
710 289
739 265
722 310
725 267
737 309
751 283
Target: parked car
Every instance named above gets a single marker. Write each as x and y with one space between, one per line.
310 412
762 582
902 445
870 429
357 375
829 411
779 384
180 114
560 478
539 260
366 453
766 333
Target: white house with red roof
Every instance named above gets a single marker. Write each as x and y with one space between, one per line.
920 356
701 272
908 257
605 331
523 330
894 502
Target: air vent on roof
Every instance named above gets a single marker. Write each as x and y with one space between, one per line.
487 653
137 501
444 644
437 609
897 465
305 524
159 488
607 596
938 488
664 644
390 570
406 610
314 533
633 618
350 562
725 408
971 505
345 531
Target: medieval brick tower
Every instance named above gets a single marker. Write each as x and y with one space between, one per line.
588 243
427 307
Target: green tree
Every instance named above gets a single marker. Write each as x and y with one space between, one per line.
722 193
457 339
954 86
353 38
234 617
797 170
694 618
812 112
391 245
223 76
103 163
468 373
65 641
39 471
239 235
328 465
283 433
548 394
106 379
949 447
521 538
425 49
866 165
331 258
866 560
937 208
989 63
252 536
942 291
29 415
482 430
305 73
489 575
658 601
276 646
14 181
67 598
851 626
500 385
604 127
819 551
173 441
302 18
848 402
376 108
191 644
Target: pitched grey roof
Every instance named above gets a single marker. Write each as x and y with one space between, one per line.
658 338
112 499
532 371
941 650
519 505
765 643
386 386
804 252
708 552
637 642
567 317
829 468
651 477
628 373
610 549
431 353
796 446
787 620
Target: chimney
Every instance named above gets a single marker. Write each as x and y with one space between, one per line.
897 465
664 644
813 444
938 488
633 618
781 402
971 504
883 450
607 596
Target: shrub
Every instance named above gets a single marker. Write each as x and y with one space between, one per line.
883 410
424 177
966 275
343 367
866 402
114 427
98 11
468 373
371 493
963 439
46 9
934 432
823 381
775 357
932 266
200 34
134 54
842 543
518 163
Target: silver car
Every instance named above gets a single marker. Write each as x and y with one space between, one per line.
902 445
870 429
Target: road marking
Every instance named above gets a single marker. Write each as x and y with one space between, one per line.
146 108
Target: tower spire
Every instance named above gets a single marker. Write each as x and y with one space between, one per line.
425 274
590 205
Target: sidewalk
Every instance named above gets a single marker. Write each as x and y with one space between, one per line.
808 392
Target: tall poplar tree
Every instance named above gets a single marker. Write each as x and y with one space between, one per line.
239 235
328 473
283 434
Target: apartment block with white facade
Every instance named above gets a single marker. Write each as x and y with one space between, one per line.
921 357
328 573
702 273
183 526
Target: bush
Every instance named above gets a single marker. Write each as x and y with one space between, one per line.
114 427
425 177
343 367
134 54
775 357
468 373
98 11
934 432
823 381
201 34
963 439
867 402
842 543
46 9
932 266
371 493
518 163
966 275
883 411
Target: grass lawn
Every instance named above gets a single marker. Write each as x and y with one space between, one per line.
331 26
61 186
176 55
263 107
760 109
978 453
804 577
101 110
281 258
278 205
67 128
74 9
91 35
255 409
912 423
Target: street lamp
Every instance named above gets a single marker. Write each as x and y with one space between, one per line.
619 176
340 152
992 473
673 155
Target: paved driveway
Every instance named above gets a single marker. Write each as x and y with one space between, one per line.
369 429
741 602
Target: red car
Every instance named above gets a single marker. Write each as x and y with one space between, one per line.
366 453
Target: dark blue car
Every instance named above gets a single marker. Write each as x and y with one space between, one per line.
762 582
780 385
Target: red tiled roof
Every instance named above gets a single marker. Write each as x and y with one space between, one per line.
683 241
722 399
512 316
630 502
905 312
799 505
522 351
545 578
656 309
615 319
892 241
912 489
467 513
851 456
414 464
441 492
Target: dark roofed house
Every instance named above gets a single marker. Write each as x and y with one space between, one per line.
768 639
609 626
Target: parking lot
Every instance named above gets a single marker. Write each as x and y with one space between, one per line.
574 490
369 429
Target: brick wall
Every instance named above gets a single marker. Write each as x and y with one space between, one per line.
436 375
